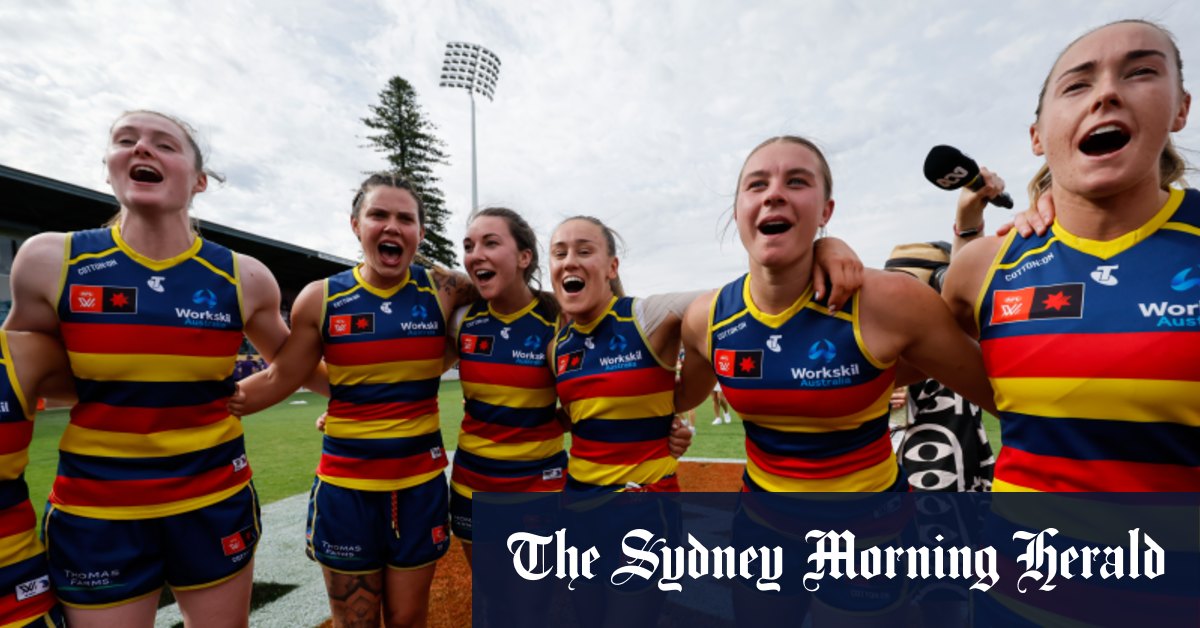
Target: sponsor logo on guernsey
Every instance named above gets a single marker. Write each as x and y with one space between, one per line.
1185 280
553 473
386 307
1028 266
344 300
822 350
826 376
739 364
204 297
103 300
1104 276
621 361
204 317
587 342
504 332
436 452
1063 300
352 324
156 283
725 333
533 355
617 343
3 407
477 345
32 588
95 266
569 362
240 463
1167 314
419 311
773 343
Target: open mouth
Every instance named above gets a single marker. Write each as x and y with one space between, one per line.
1109 138
774 227
145 174
573 284
484 275
390 252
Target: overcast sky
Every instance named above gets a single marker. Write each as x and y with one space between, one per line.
640 113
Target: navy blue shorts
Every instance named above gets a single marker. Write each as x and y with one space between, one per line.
97 563
356 531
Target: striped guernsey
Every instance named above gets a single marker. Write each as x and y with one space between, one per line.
620 398
384 350
813 400
1091 348
152 345
510 440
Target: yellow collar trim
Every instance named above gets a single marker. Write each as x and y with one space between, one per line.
155 264
1110 248
775 320
383 294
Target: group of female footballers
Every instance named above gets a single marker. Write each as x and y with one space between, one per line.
153 486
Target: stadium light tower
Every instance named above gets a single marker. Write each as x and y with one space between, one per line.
475 69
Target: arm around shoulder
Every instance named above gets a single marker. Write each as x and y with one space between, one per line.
697 377
923 332
295 362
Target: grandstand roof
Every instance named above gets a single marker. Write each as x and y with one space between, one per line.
33 203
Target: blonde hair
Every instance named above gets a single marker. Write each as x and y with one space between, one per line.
1171 164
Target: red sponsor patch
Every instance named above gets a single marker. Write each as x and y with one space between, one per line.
233 544
1037 302
347 324
723 360
572 361
477 345
439 534
339 325
103 300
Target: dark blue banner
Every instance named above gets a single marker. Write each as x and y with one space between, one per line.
755 559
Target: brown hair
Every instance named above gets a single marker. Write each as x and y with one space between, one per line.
526 240
392 180
1171 165
611 238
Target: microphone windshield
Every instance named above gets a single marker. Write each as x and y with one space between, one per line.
948 168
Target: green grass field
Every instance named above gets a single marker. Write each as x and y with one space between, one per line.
283 445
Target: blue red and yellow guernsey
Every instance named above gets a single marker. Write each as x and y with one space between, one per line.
510 440
384 350
1091 349
620 398
152 345
24 583
813 400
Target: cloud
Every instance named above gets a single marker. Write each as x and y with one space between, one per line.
639 113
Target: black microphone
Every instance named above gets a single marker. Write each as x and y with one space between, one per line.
949 169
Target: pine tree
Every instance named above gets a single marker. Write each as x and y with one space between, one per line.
407 137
